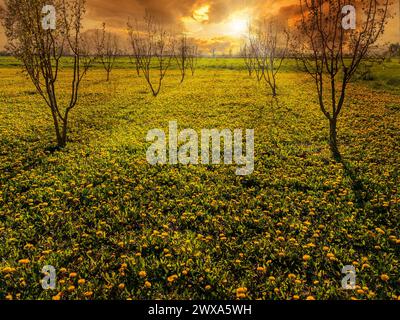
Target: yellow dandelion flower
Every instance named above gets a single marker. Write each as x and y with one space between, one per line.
24 261
142 274
261 269
241 293
71 288
241 290
121 286
8 270
172 278
385 277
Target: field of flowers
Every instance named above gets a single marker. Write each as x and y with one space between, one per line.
115 227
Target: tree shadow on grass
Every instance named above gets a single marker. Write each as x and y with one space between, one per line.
30 157
362 196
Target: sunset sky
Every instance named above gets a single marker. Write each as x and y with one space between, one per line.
218 24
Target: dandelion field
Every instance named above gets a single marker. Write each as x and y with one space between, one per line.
115 227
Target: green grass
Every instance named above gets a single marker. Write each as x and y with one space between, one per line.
99 210
387 76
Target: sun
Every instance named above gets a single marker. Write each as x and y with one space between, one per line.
238 26
238 23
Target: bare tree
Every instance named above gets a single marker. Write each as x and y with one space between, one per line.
269 43
41 51
186 55
213 52
135 59
107 49
193 58
331 55
153 49
248 56
182 55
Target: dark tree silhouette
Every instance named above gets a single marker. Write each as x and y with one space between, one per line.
331 55
41 50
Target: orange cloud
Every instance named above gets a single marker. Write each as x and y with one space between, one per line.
202 19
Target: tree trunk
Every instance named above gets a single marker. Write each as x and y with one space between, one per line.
272 86
333 139
274 94
274 91
63 141
57 129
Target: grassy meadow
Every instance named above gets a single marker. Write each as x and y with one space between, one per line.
115 227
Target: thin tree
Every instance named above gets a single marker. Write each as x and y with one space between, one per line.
153 49
269 42
214 52
182 55
135 59
331 53
193 58
41 51
247 55
107 49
